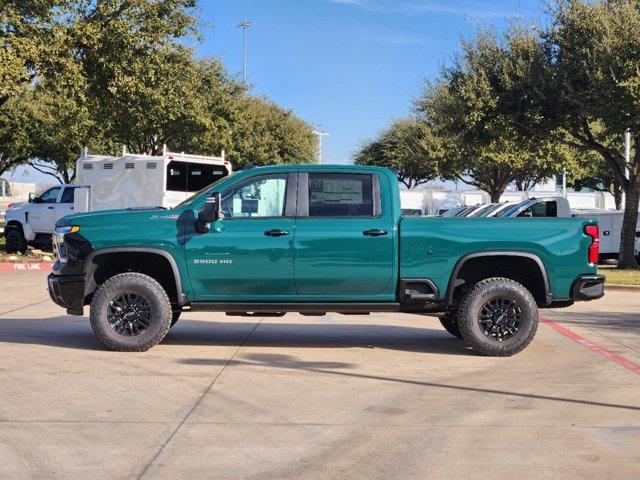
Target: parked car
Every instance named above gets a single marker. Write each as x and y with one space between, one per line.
458 211
315 239
610 222
539 207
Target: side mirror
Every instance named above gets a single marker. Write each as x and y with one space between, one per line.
32 197
210 213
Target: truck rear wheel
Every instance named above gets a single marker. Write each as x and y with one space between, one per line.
498 317
449 321
130 312
15 241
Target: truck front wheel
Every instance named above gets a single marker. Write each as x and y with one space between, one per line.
130 312
498 317
15 241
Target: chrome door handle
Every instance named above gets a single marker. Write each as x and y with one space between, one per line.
276 233
374 232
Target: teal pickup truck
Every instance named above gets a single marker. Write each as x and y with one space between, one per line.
315 239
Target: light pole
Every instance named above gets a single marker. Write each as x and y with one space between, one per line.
244 25
320 134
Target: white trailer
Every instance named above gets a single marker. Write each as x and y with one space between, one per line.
143 180
610 223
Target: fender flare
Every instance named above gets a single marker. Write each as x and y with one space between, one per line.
90 267
499 253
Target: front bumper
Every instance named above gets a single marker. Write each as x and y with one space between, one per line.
588 287
68 292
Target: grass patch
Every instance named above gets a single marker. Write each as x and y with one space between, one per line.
621 277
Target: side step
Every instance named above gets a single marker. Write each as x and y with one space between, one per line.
244 307
316 309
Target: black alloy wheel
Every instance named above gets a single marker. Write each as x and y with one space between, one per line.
129 314
500 319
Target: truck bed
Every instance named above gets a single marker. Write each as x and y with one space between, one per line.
430 247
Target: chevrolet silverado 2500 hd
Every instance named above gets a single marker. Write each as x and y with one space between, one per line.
313 239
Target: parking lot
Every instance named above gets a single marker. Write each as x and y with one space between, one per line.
317 397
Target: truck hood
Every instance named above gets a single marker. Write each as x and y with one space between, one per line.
120 217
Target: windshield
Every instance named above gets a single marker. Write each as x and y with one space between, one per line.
452 212
508 211
199 192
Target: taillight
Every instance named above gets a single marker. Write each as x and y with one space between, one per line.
594 249
10 206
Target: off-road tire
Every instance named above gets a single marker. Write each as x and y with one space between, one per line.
471 306
15 241
175 316
449 321
160 312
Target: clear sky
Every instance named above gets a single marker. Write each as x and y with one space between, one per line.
346 66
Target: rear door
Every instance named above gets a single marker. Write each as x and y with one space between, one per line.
344 242
65 206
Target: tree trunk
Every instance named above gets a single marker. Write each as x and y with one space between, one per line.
626 258
495 196
617 194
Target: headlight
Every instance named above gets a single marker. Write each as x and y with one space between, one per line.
67 229
59 247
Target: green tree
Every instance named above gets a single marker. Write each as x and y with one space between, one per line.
594 54
15 144
264 134
471 107
409 147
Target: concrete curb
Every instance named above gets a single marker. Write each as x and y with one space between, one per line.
23 267
621 288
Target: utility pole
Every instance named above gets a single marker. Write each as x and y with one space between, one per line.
320 134
627 152
244 25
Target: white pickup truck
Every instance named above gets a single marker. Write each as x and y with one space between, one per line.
32 222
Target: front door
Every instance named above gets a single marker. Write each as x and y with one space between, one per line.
345 239
247 255
42 212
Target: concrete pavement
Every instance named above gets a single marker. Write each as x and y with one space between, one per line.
380 396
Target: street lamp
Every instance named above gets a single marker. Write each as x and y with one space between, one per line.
244 25
320 135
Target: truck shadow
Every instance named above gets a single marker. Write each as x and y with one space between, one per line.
272 333
76 333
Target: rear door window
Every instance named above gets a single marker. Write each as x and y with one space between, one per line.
340 195
68 195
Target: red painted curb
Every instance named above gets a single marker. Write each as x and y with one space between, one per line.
623 362
21 267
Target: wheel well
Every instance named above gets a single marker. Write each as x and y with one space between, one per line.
156 266
14 224
523 269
